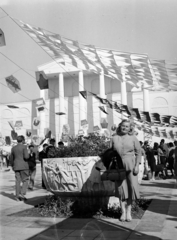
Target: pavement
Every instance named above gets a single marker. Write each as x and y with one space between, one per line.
158 222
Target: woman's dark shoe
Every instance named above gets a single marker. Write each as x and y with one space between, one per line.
22 197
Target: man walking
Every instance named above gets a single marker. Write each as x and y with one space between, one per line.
18 156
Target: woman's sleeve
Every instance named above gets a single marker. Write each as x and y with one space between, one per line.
137 149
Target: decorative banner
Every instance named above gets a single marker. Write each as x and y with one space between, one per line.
66 129
28 132
2 39
96 128
47 133
84 125
36 140
84 94
40 109
114 127
36 123
42 80
13 84
39 102
14 135
18 125
104 123
7 140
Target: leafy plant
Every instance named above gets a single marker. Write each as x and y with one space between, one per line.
92 145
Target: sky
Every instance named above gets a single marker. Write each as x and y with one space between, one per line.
135 26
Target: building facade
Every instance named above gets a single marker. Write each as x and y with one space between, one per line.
62 96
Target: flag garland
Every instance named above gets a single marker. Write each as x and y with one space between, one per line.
138 115
131 67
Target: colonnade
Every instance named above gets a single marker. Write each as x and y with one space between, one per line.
82 112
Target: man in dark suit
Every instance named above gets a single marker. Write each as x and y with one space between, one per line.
18 156
43 155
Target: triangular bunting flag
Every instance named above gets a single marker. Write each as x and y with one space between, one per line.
84 94
102 108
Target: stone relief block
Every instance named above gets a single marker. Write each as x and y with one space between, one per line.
76 176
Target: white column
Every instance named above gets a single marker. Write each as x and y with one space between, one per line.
123 90
61 104
82 110
42 117
145 99
123 93
102 93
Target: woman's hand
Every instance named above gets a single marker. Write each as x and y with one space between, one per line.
136 170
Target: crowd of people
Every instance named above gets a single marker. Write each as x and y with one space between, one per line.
159 159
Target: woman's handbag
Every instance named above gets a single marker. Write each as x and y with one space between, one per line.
113 174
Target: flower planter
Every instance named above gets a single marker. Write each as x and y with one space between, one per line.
76 176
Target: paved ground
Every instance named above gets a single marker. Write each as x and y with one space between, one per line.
159 221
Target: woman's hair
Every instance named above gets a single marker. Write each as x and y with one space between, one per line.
132 126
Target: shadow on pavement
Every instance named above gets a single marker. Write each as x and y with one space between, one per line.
81 229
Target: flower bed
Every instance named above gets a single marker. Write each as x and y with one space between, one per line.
80 208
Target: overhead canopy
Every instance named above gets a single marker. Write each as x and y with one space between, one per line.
135 69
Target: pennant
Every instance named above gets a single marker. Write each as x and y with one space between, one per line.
66 129
36 140
40 109
12 106
60 113
126 109
2 39
166 119
146 116
42 80
102 100
11 124
28 132
39 102
96 128
173 120
8 140
109 104
84 94
36 123
47 133
18 124
156 118
13 84
102 108
104 123
135 112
